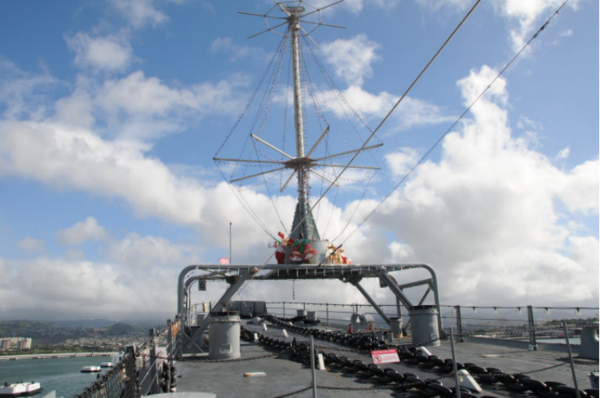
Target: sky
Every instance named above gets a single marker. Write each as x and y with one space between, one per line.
111 112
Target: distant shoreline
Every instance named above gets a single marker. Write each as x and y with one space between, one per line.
21 357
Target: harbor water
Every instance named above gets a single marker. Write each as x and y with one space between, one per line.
62 375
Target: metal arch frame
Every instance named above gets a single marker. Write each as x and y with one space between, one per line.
352 274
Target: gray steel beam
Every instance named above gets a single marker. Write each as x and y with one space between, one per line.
415 284
243 276
425 296
356 283
393 286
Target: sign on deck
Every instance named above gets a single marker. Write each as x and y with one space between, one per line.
385 356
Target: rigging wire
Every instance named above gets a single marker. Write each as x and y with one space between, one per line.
446 133
467 15
345 107
459 118
238 194
269 98
338 94
251 100
320 116
401 98
247 207
389 114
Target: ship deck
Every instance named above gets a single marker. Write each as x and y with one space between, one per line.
284 376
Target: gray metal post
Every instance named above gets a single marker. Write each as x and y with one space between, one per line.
571 359
243 276
312 366
283 309
370 300
178 340
459 323
454 367
327 312
154 388
532 339
170 347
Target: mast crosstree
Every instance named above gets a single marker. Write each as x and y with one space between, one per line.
302 164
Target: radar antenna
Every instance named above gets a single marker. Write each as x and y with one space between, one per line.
301 165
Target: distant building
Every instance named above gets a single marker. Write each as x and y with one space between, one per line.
19 343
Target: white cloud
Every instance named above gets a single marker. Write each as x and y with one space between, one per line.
356 6
83 231
454 5
68 289
123 286
485 216
527 16
110 53
32 245
150 253
566 33
22 93
140 13
580 188
77 109
80 160
352 59
563 153
141 108
235 51
410 113
401 161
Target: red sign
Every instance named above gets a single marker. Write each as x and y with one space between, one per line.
224 261
385 356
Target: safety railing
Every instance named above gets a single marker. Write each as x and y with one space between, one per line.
143 370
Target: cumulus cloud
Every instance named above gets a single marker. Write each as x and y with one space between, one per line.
412 112
134 108
83 231
401 161
456 5
67 289
78 159
486 217
142 109
22 93
235 51
110 53
356 6
352 59
526 16
140 13
486 214
32 245
579 189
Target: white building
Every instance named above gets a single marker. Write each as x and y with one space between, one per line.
20 343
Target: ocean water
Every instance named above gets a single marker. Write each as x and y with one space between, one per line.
62 375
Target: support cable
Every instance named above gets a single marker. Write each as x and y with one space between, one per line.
401 98
422 159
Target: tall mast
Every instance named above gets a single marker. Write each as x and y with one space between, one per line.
304 161
304 226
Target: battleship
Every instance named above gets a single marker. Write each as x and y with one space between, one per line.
404 348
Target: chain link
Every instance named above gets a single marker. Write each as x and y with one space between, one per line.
294 392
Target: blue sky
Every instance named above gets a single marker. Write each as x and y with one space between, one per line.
111 112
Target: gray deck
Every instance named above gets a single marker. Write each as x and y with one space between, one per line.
285 376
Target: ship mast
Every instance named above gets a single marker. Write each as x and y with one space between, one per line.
303 226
